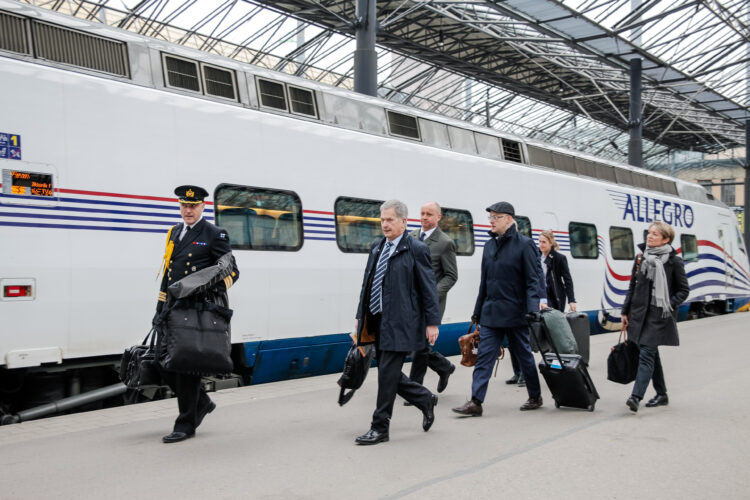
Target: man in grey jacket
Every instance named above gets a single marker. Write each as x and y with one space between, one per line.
443 260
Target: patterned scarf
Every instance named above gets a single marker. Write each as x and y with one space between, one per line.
653 268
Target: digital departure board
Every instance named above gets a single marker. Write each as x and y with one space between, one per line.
27 183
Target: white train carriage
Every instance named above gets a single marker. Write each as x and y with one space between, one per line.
93 139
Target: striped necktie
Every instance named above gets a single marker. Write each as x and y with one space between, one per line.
376 295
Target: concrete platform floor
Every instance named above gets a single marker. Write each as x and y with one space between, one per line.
290 440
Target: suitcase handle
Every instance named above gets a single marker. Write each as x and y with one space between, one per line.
533 317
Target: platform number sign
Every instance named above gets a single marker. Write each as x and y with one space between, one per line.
10 146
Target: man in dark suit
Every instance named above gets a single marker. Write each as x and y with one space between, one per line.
398 309
192 245
443 258
509 289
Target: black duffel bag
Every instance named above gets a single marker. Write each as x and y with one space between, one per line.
622 363
139 365
356 366
196 338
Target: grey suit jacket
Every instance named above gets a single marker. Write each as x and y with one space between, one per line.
443 258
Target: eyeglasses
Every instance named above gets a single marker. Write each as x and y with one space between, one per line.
497 217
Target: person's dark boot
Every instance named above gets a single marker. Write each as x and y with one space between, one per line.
658 400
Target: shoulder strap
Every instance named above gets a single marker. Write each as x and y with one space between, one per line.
168 249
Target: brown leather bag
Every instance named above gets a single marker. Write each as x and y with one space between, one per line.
469 344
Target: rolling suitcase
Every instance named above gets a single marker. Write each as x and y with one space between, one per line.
567 377
579 323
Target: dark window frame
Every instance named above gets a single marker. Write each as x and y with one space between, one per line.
531 230
682 247
470 230
572 247
199 74
219 68
291 106
632 243
301 229
389 112
258 81
339 236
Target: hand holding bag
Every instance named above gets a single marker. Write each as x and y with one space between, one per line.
622 362
197 338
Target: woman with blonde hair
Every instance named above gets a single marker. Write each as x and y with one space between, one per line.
658 285
556 273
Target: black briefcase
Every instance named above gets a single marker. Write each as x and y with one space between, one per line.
197 339
139 366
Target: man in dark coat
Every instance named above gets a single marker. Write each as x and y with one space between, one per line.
508 291
398 311
192 245
443 257
658 285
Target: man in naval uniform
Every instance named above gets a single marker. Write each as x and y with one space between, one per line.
191 246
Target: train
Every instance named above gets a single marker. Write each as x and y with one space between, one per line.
98 126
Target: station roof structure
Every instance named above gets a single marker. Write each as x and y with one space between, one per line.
553 70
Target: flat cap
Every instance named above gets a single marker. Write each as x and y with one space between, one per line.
191 194
502 207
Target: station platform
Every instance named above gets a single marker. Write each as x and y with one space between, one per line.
290 440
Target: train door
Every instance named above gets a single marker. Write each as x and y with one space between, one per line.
725 240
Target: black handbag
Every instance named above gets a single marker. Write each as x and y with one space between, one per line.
622 362
197 339
139 366
356 366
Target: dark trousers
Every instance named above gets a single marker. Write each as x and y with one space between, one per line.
514 362
490 340
428 358
649 368
190 397
391 382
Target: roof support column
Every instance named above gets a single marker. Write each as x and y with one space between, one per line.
365 57
635 125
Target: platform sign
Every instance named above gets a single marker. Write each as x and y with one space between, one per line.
10 146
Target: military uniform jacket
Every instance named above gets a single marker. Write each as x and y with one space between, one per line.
201 247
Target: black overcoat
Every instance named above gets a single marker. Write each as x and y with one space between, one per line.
646 325
558 280
410 299
510 283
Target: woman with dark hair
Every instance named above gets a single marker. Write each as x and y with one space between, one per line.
556 273
658 285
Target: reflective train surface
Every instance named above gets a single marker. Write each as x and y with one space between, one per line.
98 125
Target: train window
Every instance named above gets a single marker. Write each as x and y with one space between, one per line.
181 73
512 151
621 243
302 101
357 223
740 243
13 35
272 94
219 82
67 46
259 218
583 243
524 225
459 227
689 248
402 125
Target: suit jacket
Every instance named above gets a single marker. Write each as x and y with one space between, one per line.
510 281
443 258
409 297
559 283
200 248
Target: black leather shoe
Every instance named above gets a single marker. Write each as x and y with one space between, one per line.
512 380
632 403
429 414
532 404
469 409
211 406
372 437
176 437
658 400
443 382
